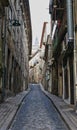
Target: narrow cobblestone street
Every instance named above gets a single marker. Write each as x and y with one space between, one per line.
37 113
38 65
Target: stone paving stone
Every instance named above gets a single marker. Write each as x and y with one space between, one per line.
37 113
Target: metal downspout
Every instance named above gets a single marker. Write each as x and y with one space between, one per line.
70 29
75 58
70 24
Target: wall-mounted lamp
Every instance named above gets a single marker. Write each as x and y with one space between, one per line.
16 23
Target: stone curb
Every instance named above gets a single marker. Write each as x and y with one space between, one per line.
68 122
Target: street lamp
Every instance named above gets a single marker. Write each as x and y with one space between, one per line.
16 23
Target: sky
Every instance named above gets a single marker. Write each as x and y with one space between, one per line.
39 14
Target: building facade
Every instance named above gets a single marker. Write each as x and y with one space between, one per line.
15 46
64 49
34 67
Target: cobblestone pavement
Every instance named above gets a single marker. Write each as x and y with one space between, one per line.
37 113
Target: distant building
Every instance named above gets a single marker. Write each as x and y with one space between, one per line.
34 67
35 46
37 62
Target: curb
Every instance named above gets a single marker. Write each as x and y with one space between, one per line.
45 92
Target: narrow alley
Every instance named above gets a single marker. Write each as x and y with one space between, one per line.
38 64
37 113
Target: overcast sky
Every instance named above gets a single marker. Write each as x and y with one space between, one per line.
39 14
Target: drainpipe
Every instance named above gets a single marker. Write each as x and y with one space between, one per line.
70 24
75 57
71 40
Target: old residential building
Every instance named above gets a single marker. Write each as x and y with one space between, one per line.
34 67
37 72
15 45
64 49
